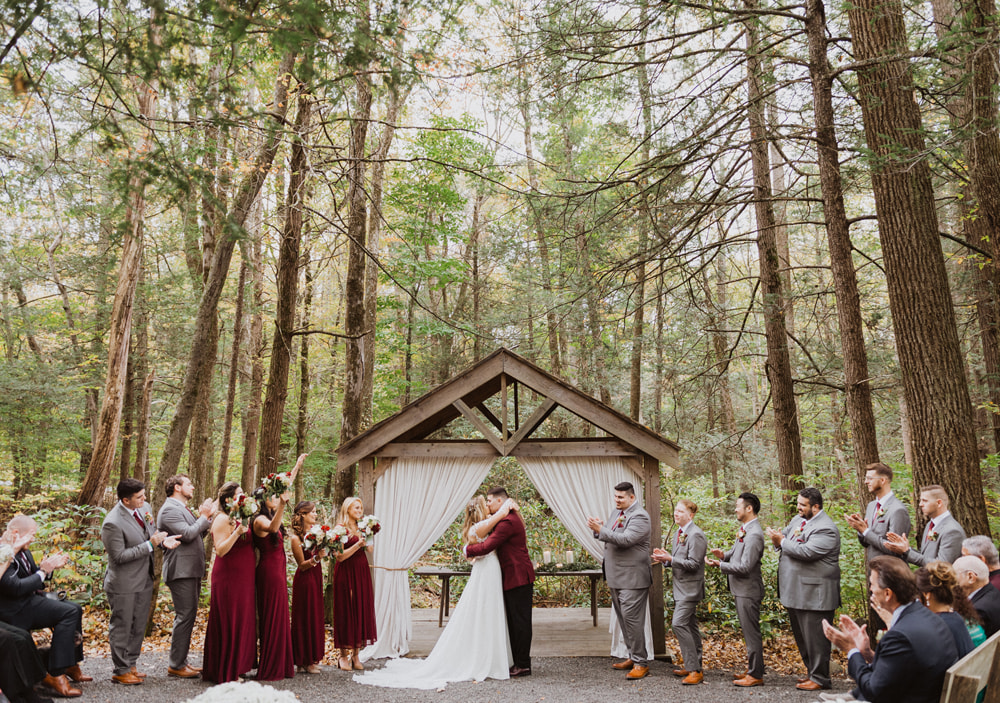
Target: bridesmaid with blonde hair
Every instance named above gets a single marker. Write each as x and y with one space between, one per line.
354 600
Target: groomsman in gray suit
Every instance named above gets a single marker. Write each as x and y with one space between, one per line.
688 564
184 567
809 582
627 571
741 564
883 515
942 537
129 539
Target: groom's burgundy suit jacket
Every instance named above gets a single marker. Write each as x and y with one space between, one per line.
511 545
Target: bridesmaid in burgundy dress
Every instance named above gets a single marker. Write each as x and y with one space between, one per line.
353 599
308 635
230 638
272 589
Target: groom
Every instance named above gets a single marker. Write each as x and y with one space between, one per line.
511 545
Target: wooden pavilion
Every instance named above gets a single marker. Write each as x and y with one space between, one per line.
507 431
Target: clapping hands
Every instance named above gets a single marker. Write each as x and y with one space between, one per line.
857 522
897 543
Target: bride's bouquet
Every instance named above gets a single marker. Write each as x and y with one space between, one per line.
240 507
276 484
369 526
319 537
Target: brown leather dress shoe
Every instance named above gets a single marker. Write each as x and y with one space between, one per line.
748 681
681 672
638 672
693 678
60 684
127 679
803 680
185 672
739 676
517 672
623 666
76 675
808 685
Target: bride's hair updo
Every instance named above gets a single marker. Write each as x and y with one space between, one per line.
475 511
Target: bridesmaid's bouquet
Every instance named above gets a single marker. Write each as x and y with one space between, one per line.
369 526
276 484
319 537
338 536
240 507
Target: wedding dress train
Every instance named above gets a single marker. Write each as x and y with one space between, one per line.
474 645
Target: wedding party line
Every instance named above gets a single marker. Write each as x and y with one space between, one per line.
929 618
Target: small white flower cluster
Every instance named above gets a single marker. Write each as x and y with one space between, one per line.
369 525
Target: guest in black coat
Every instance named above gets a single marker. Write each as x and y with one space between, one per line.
974 575
910 661
20 663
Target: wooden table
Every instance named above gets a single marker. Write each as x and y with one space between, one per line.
446 575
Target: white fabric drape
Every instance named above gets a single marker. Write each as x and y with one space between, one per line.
416 499
580 487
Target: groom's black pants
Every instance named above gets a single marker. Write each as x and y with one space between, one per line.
517 602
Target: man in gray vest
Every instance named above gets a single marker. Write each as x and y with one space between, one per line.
627 571
809 582
883 515
942 537
184 567
129 538
741 564
687 561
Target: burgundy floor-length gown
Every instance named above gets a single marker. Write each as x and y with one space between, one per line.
353 601
231 636
272 610
308 635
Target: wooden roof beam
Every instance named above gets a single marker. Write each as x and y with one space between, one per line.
532 423
483 428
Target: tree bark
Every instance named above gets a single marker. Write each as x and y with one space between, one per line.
779 369
251 419
934 387
234 372
201 339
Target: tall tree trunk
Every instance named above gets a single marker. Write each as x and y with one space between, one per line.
302 424
353 407
779 369
934 387
287 284
102 459
255 348
852 340
245 196
234 372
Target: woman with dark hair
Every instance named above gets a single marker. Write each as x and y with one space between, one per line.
941 593
230 638
272 588
308 635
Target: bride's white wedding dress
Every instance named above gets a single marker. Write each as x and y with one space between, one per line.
474 645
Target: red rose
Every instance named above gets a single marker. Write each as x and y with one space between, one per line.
375 529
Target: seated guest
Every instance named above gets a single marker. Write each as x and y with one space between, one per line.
974 576
982 546
20 664
23 605
939 590
910 661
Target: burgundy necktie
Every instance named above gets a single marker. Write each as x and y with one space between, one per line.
138 519
878 506
930 529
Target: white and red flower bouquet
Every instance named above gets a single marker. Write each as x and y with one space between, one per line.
277 483
241 507
319 537
369 526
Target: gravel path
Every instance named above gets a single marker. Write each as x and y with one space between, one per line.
553 680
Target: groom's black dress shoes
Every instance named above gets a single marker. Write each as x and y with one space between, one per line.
516 671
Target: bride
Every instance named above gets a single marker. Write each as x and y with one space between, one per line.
474 645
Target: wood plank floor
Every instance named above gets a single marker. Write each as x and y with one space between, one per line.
556 632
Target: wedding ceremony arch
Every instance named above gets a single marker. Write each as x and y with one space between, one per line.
418 484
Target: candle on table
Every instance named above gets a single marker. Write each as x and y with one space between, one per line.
569 556
547 556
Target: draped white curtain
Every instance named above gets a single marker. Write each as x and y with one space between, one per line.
580 487
416 499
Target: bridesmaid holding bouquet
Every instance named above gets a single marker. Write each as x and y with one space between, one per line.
354 600
230 638
308 635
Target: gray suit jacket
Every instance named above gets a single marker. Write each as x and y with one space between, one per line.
946 546
688 564
742 563
626 549
894 518
809 567
187 561
130 561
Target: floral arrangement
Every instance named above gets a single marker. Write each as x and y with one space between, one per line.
275 484
339 536
6 553
319 537
682 538
369 526
242 506
741 533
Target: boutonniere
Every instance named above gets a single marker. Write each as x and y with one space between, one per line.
932 536
620 522
797 533
741 533
880 513
148 517
682 538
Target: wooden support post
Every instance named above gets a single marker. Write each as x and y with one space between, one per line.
651 474
366 484
503 408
